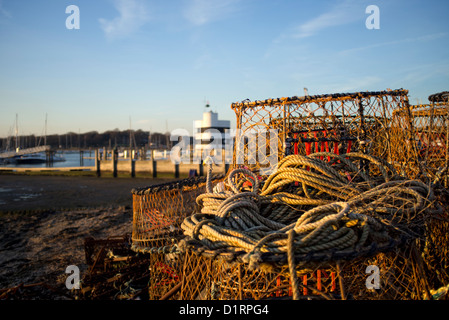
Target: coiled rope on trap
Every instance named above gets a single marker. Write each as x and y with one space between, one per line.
309 210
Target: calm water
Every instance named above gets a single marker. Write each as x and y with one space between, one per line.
72 159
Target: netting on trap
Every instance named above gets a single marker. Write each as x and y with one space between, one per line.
158 212
430 129
435 247
312 219
401 276
208 278
429 125
337 123
341 202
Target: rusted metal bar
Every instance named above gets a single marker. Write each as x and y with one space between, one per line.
340 281
171 292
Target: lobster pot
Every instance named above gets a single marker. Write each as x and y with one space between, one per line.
196 280
267 130
165 271
435 249
221 280
393 275
430 125
296 242
158 212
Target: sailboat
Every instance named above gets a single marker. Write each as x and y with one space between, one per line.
36 158
32 158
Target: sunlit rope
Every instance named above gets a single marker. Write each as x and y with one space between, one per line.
308 206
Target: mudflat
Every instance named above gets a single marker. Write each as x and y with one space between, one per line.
34 192
45 219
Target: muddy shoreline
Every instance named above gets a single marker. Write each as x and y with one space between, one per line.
45 219
23 193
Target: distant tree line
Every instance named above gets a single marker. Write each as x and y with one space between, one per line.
92 139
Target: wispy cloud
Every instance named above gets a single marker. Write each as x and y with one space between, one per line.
4 14
424 38
200 12
344 12
420 74
133 14
362 83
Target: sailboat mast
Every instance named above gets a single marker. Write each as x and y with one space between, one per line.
45 138
17 131
130 135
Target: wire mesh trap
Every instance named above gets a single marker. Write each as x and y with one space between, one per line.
309 220
430 129
400 279
337 123
344 197
158 212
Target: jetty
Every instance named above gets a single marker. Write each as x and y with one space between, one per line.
21 152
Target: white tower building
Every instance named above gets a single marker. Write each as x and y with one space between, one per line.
211 132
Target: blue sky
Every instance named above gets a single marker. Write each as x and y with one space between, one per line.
156 62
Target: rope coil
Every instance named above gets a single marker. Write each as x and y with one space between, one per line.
309 207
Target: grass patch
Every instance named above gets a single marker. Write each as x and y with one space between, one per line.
50 173
88 173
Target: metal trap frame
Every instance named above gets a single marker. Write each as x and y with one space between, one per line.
158 212
338 123
401 277
430 128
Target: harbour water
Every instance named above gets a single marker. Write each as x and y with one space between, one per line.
72 159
